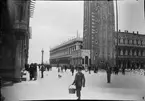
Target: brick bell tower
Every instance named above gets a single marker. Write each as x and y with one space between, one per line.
99 31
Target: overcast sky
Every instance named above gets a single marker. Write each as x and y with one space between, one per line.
54 22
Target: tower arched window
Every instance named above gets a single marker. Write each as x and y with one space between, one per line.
121 52
135 53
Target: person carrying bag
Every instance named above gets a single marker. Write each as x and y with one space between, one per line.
79 81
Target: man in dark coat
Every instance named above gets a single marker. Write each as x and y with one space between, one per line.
35 71
65 68
79 82
89 68
95 68
72 69
42 70
31 71
108 70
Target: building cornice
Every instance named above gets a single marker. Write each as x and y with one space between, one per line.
66 43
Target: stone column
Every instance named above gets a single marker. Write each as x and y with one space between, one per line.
17 73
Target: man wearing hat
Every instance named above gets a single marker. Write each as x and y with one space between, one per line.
79 82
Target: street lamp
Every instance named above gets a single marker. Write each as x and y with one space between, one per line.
42 55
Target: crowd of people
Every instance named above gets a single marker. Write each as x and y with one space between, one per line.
33 67
79 80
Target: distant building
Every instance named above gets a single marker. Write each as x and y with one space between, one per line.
70 52
131 49
98 31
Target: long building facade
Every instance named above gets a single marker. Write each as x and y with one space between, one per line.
70 52
15 33
99 31
131 50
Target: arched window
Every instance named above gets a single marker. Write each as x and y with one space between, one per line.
121 40
135 42
126 41
135 53
130 41
121 53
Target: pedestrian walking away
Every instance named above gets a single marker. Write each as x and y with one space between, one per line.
72 70
35 71
79 81
31 71
65 68
59 74
108 70
42 71
89 67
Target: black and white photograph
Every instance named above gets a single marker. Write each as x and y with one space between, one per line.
72 50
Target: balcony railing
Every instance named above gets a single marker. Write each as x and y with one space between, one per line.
131 45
